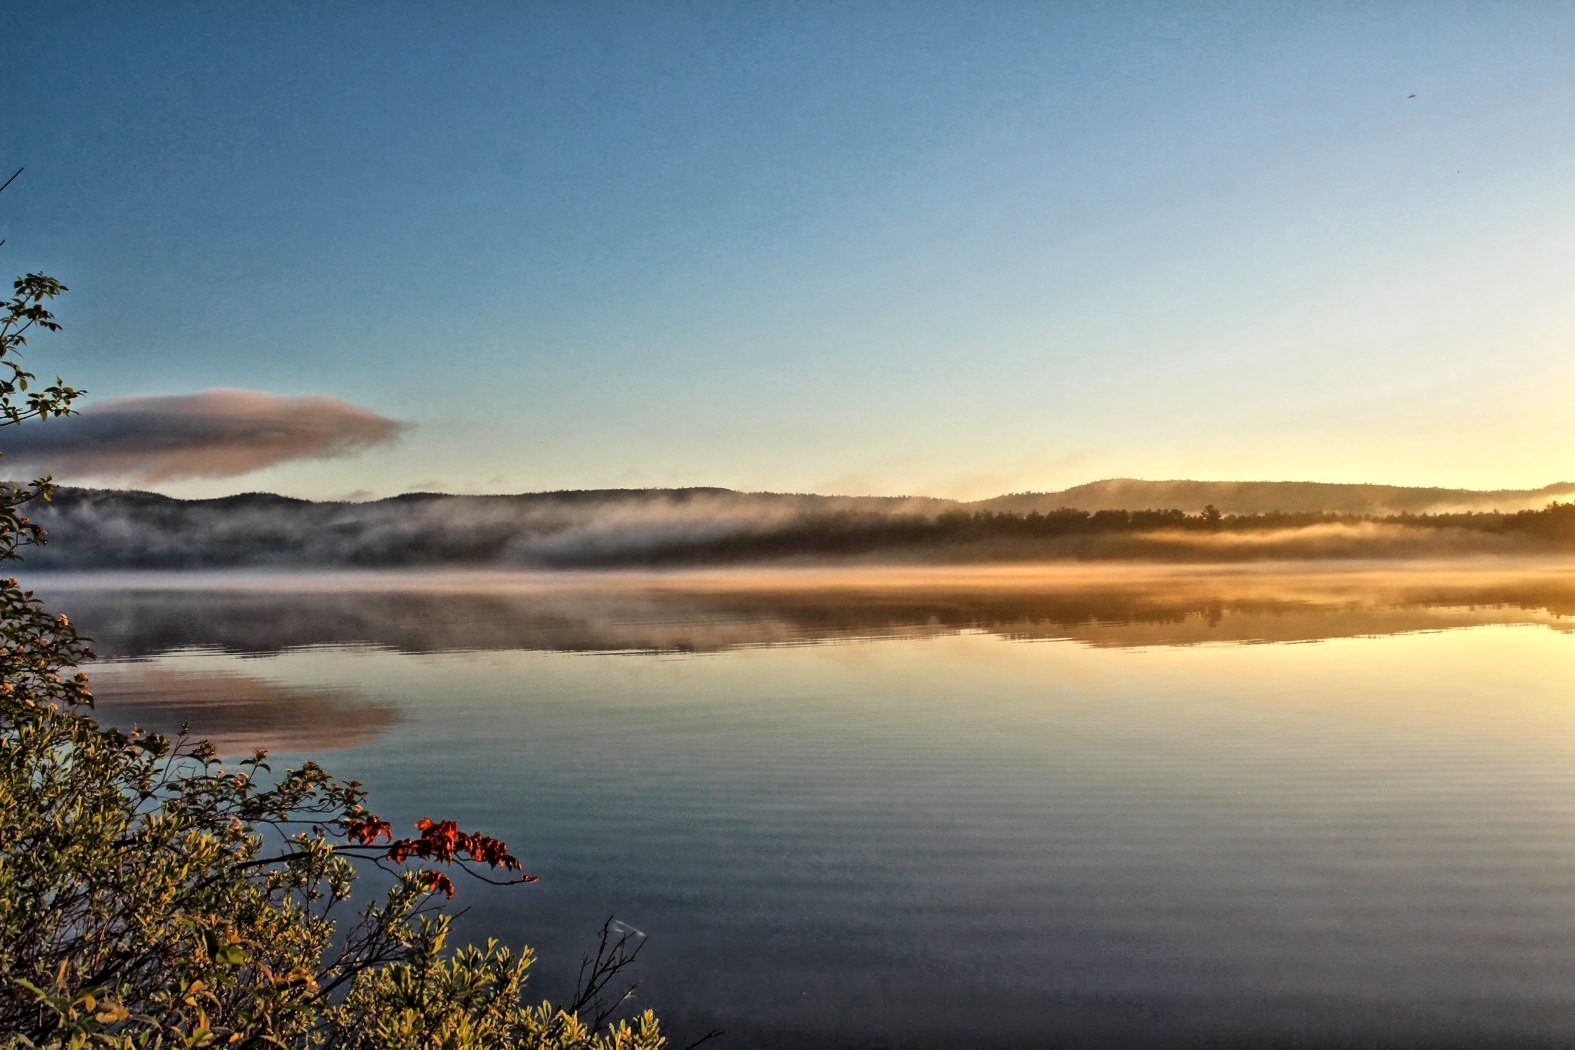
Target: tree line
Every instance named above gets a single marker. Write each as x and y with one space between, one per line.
855 533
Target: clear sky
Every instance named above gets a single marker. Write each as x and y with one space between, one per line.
943 249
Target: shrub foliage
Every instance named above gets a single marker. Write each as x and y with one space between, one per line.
152 896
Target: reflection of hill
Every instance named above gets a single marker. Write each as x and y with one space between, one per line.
701 612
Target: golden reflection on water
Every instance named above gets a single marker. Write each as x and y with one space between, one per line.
1109 605
137 618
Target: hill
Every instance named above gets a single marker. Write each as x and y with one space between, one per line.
114 529
1289 497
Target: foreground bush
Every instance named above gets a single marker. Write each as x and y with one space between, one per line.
151 896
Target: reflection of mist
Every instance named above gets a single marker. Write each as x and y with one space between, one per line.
701 612
238 713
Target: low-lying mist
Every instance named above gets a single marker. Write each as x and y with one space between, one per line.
696 527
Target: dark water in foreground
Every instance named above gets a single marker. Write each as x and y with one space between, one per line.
975 809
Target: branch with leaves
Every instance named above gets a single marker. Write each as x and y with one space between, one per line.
21 313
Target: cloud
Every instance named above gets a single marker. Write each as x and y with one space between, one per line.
212 434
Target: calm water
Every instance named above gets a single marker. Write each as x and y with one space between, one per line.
988 808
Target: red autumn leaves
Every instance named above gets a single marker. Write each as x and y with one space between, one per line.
440 841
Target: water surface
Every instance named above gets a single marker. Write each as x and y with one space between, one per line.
990 808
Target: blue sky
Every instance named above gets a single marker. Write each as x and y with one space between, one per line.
949 249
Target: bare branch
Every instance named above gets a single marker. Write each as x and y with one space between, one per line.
618 946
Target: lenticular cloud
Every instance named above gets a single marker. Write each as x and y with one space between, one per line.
212 434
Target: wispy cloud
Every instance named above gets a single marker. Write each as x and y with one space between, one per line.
212 434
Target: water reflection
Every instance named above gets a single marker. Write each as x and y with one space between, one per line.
137 615
239 713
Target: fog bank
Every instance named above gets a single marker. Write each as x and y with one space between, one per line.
670 528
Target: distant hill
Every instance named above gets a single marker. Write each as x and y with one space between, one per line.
107 528
112 528
1290 497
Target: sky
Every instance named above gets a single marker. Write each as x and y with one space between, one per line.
349 250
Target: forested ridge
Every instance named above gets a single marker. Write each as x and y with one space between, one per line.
100 529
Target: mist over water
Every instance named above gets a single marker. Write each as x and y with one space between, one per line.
992 806
688 528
